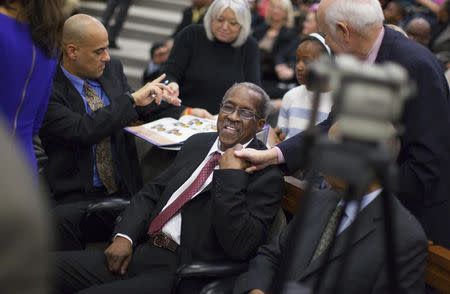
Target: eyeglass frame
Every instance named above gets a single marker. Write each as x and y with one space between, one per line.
255 116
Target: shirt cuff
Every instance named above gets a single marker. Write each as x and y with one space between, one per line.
280 155
124 236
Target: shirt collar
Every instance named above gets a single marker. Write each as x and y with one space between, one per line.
215 146
78 82
372 55
352 207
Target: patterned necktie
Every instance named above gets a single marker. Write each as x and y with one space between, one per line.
164 216
329 232
103 154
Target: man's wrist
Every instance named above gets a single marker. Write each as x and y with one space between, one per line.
123 236
131 97
280 157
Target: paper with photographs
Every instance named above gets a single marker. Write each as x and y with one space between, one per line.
172 132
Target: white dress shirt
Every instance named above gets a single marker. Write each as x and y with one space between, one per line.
351 212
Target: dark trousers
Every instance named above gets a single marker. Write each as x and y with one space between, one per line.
74 228
122 7
151 270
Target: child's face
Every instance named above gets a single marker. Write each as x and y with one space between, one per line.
307 52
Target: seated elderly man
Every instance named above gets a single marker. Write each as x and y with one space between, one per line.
366 268
204 206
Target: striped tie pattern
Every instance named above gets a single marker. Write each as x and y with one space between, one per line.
329 232
164 216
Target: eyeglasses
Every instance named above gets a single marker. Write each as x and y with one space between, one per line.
242 112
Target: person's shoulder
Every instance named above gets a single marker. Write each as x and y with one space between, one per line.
251 43
296 93
193 29
406 51
300 89
257 144
192 33
114 63
406 225
113 68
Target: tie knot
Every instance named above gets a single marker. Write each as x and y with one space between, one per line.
215 157
87 87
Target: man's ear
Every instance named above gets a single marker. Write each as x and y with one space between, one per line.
343 31
72 51
261 123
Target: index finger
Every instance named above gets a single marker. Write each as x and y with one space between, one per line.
159 79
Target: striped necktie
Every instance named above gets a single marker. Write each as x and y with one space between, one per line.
329 232
164 216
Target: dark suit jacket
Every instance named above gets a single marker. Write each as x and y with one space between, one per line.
424 160
227 221
366 268
69 132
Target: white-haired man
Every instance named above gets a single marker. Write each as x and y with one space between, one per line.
356 27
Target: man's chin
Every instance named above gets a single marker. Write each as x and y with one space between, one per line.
226 142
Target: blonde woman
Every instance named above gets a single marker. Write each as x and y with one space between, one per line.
273 37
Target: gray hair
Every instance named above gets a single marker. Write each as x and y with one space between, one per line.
362 15
263 108
243 16
287 6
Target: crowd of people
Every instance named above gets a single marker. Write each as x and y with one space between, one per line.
246 62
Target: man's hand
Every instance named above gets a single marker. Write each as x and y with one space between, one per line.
118 255
172 93
155 91
200 112
258 159
231 161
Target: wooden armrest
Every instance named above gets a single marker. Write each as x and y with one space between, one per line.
437 271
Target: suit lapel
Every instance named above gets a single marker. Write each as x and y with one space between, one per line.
111 88
189 165
365 225
70 94
310 237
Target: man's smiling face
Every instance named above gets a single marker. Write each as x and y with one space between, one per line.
233 128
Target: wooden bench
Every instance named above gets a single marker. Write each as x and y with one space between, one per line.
437 271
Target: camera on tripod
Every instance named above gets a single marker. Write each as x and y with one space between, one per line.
366 97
